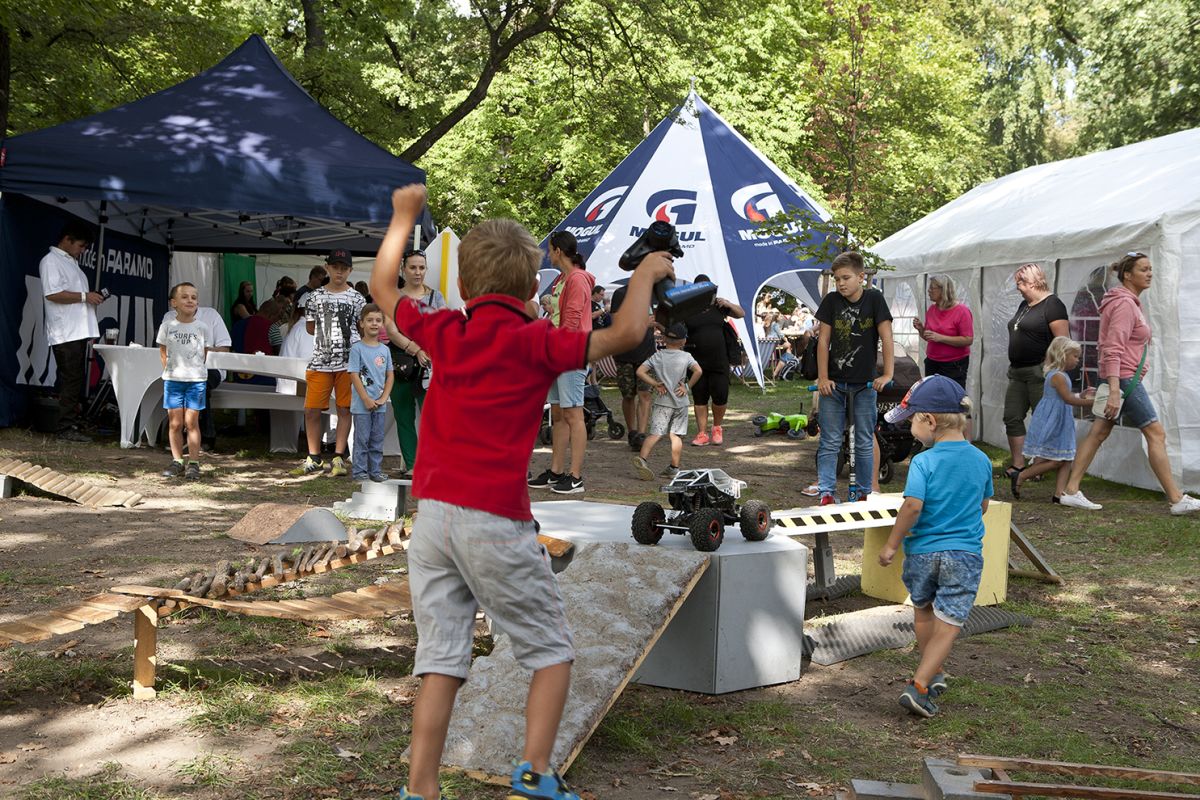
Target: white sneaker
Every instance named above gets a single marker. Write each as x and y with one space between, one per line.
1077 500
1186 505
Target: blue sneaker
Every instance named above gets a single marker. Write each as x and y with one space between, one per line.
937 685
917 703
406 795
530 785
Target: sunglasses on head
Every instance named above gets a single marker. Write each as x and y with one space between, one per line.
1134 254
410 252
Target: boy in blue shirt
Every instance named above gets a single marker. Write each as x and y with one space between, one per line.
945 498
371 376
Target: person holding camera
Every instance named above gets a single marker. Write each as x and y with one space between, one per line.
706 342
70 320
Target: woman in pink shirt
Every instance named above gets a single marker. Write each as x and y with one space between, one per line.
1124 339
948 331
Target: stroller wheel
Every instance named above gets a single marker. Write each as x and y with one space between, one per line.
544 435
885 471
615 429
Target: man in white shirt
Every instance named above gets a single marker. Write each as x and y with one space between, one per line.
70 320
218 334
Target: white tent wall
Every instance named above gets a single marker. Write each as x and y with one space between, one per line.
1185 438
199 269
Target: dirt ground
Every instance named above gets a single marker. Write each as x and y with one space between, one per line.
801 739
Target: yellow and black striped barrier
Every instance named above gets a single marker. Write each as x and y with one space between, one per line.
877 512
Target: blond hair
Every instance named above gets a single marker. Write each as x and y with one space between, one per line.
1034 275
954 422
499 257
949 296
1057 352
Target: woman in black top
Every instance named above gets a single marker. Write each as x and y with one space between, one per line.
706 343
244 306
1040 317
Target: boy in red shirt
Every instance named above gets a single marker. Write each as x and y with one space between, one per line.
474 543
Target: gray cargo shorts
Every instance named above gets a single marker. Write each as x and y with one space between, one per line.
462 559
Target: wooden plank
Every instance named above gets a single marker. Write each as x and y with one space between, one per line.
342 600
1069 768
146 591
1021 789
86 614
18 631
1035 557
55 483
53 624
115 602
145 648
555 547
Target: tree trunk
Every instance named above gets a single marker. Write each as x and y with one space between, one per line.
314 34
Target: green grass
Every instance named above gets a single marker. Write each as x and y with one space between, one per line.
211 770
105 785
32 673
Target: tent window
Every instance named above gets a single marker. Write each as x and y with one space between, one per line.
1085 329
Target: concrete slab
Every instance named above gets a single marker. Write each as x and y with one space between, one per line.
383 501
885 790
615 614
742 627
8 487
946 780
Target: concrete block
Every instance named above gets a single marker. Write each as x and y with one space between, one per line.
885 790
945 780
741 628
383 501
617 598
8 487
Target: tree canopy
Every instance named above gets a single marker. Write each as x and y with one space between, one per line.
885 109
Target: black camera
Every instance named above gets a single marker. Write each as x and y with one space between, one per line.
673 303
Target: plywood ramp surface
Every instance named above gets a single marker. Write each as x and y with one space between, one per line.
619 599
48 480
67 619
371 601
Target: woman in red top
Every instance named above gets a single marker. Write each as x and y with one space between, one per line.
948 331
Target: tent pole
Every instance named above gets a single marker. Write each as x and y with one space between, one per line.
101 218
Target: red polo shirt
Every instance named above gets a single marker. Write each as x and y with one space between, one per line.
492 368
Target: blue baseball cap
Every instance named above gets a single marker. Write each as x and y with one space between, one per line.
935 394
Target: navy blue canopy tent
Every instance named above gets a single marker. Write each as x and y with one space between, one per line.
237 159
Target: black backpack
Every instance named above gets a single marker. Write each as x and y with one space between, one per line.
808 360
733 346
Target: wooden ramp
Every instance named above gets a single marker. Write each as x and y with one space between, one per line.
68 619
46 479
370 601
619 599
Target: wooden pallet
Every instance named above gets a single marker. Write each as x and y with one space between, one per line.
46 479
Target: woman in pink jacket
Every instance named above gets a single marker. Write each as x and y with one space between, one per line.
1124 337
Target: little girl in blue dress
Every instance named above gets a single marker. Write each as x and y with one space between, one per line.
1051 436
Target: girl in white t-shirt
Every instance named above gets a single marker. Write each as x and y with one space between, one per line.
183 344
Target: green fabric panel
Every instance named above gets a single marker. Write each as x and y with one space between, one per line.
234 270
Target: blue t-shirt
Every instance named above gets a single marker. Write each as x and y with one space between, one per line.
951 479
371 363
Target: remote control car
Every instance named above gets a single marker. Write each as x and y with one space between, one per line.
792 424
703 502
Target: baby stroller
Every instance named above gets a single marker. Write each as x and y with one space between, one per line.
594 409
896 441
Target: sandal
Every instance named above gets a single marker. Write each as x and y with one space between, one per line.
1014 475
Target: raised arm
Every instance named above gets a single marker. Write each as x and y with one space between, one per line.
406 205
629 323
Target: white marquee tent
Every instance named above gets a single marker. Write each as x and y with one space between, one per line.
1074 218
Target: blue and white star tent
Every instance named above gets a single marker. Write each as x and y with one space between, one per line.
701 175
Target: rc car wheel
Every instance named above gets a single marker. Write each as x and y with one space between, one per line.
798 433
707 529
755 520
646 520
885 472
544 435
615 430
758 431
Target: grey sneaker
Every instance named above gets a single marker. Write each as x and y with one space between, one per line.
175 470
544 481
192 473
669 471
937 685
643 469
379 477
917 703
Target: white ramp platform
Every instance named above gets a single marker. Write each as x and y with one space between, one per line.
741 627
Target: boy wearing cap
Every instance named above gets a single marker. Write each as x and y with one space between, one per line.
332 313
667 372
941 527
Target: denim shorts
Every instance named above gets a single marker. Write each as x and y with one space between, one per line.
184 394
1137 409
567 389
947 578
461 559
